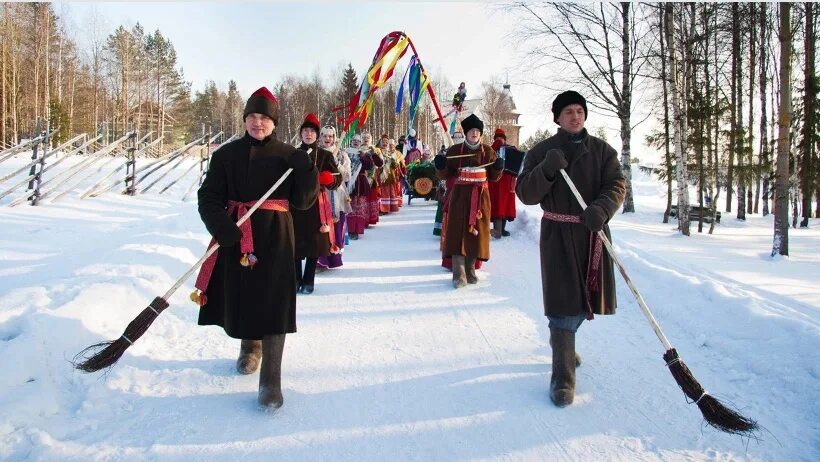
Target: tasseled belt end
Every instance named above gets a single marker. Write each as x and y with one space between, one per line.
248 260
199 297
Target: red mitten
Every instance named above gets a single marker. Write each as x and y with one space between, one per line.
325 178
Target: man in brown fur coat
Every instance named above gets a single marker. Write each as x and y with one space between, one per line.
577 277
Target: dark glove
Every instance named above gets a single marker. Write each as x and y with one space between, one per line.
228 235
553 161
325 177
499 163
594 217
300 161
440 161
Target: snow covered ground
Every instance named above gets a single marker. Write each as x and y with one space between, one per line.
390 362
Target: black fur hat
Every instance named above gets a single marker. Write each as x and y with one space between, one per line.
565 99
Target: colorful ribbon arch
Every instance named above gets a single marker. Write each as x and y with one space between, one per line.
392 47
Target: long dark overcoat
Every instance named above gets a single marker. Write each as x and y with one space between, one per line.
596 172
310 241
457 239
250 303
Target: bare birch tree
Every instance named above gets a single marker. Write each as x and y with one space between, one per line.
781 200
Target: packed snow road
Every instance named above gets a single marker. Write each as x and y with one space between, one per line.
390 362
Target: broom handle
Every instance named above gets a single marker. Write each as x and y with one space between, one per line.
644 307
215 247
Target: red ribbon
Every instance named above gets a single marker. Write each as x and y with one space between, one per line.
245 244
326 218
593 278
475 202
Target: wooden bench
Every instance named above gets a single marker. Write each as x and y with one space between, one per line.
695 213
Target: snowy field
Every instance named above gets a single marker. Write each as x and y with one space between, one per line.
391 363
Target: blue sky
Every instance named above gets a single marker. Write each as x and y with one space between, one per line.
256 43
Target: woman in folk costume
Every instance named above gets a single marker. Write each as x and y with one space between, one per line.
388 180
339 197
247 286
368 150
314 227
502 193
399 169
359 188
470 165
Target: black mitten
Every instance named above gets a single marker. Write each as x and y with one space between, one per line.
228 235
594 217
300 161
499 163
553 161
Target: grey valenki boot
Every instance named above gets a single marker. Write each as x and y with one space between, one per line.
250 355
469 269
577 356
562 382
459 272
270 377
497 228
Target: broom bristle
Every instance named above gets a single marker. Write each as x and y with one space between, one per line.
714 412
104 355
108 353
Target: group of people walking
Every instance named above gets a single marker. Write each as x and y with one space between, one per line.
329 196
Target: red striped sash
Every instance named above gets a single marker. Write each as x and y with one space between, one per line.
593 278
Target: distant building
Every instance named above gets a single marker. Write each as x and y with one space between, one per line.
496 112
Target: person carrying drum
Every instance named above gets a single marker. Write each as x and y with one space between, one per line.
467 227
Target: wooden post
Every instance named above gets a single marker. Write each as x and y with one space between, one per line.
131 166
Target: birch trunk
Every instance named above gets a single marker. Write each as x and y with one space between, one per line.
781 201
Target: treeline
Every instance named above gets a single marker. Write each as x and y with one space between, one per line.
129 79
717 77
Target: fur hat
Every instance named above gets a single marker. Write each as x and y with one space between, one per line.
471 122
262 101
356 137
565 99
500 132
328 130
311 121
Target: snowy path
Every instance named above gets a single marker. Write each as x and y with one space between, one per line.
389 362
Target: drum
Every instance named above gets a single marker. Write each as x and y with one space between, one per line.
421 179
423 186
472 175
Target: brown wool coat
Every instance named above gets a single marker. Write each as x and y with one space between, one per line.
458 240
250 303
310 241
596 172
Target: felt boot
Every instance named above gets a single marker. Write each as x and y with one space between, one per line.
562 383
496 231
250 354
469 267
270 376
459 272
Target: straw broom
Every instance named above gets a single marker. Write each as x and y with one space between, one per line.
106 354
714 412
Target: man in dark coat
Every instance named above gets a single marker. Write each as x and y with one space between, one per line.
251 289
314 227
466 231
577 277
502 192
